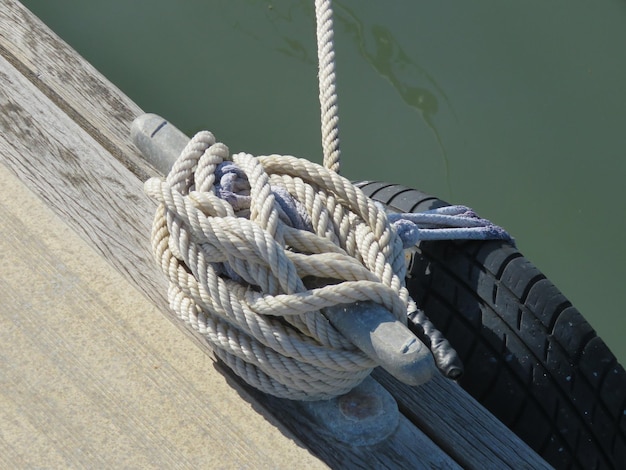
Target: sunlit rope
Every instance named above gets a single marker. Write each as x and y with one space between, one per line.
236 275
327 88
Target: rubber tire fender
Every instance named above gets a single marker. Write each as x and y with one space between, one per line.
530 357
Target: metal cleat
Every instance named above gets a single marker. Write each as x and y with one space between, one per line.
368 413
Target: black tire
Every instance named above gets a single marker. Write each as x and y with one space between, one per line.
529 355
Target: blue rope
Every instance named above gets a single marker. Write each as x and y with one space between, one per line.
445 223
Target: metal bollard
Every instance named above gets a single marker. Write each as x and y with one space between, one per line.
159 141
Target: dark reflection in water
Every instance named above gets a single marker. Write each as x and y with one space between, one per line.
284 18
374 42
379 47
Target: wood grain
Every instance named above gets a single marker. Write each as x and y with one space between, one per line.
460 425
96 195
71 83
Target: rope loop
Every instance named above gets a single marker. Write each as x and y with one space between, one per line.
240 236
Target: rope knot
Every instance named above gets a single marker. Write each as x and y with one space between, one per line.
256 247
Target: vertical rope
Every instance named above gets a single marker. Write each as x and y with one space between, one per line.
327 90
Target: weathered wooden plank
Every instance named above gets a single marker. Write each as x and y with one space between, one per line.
103 203
97 196
70 82
460 425
93 376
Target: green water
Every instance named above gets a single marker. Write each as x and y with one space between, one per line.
517 109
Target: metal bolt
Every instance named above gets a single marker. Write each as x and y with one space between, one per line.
366 415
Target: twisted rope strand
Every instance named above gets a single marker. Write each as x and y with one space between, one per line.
327 89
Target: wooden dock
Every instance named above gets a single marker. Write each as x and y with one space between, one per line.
94 370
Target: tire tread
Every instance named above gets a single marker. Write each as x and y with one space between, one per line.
530 357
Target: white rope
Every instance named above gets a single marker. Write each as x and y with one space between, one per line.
327 89
266 325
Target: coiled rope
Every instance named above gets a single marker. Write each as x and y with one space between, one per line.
242 240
